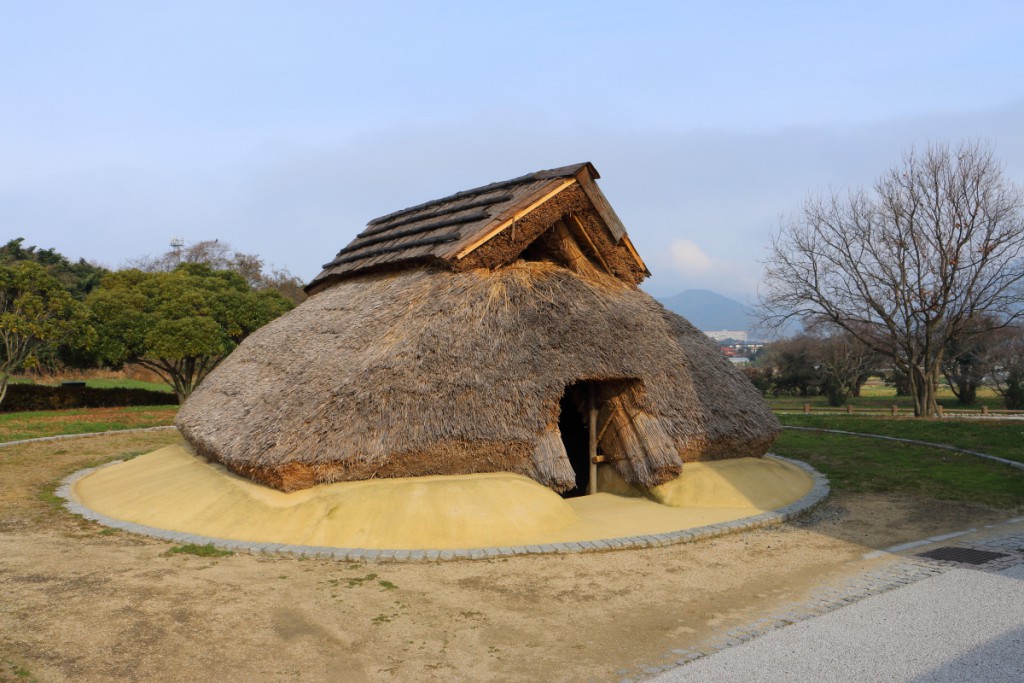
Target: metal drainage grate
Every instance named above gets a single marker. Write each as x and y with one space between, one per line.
962 555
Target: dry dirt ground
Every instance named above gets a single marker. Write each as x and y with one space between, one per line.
81 603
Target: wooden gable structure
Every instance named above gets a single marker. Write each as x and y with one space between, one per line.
559 214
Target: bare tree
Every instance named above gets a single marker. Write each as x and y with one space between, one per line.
220 256
938 242
286 284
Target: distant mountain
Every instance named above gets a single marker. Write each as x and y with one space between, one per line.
709 311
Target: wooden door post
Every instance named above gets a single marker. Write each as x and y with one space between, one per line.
592 437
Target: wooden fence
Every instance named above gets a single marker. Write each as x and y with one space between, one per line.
896 411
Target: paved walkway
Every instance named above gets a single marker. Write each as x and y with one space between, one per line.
958 624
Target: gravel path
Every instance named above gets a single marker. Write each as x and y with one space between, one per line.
960 625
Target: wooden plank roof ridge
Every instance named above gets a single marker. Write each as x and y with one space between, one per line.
561 172
377 238
376 228
445 231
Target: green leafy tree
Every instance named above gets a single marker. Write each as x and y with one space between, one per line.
969 358
78 277
794 366
35 310
1007 375
825 361
180 324
842 361
763 378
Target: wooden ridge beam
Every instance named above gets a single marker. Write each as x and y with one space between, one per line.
600 202
507 221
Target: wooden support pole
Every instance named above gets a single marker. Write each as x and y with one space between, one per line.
590 243
592 436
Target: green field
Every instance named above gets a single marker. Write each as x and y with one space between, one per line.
1004 438
864 465
30 425
128 384
877 397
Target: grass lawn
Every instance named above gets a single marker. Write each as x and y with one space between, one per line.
864 465
878 397
1002 438
128 384
29 425
106 383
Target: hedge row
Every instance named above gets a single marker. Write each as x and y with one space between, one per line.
22 397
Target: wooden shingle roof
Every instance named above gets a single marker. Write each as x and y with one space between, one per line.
446 231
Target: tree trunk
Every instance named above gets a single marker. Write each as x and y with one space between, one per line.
917 390
967 393
923 386
1013 396
933 389
184 374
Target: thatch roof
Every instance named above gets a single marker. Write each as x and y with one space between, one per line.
436 367
422 372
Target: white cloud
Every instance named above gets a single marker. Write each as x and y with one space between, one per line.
688 258
683 265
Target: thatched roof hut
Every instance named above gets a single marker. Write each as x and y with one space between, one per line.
478 333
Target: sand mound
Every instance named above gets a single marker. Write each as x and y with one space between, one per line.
764 484
760 484
173 489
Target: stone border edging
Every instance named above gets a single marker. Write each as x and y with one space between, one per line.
996 458
61 437
819 491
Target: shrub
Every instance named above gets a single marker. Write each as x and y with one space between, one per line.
24 397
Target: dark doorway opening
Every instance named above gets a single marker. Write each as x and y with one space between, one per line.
573 423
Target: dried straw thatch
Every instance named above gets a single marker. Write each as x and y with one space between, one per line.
432 366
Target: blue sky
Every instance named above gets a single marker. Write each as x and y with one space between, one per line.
283 127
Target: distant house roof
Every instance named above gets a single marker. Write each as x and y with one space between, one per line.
491 225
